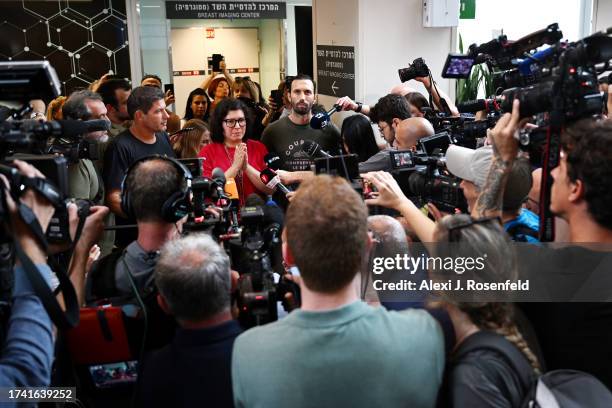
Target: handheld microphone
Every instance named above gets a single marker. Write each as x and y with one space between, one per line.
313 149
218 179
322 119
273 161
272 181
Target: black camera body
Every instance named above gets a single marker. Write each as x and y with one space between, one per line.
255 255
418 68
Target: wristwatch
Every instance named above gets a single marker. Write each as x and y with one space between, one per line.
359 106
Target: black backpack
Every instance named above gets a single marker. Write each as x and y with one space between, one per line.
555 389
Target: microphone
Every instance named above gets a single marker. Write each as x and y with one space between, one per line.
313 149
273 161
322 119
72 128
272 181
218 179
479 105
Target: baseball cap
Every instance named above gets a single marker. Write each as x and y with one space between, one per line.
473 165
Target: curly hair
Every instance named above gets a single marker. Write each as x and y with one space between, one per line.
390 107
588 145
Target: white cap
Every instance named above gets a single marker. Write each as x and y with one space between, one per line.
468 164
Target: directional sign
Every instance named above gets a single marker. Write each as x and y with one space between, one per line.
336 70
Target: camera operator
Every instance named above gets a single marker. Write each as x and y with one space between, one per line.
472 166
277 364
194 280
438 96
572 335
28 348
83 178
388 113
407 134
148 187
146 136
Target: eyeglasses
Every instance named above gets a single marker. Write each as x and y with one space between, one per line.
232 122
460 221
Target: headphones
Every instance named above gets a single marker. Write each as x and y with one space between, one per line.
177 205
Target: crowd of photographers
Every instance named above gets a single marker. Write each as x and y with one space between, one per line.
213 264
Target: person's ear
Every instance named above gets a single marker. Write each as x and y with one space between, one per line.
576 191
234 276
395 122
163 304
287 255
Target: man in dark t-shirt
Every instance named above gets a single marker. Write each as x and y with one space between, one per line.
145 137
286 136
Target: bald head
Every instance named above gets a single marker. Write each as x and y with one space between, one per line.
410 130
401 90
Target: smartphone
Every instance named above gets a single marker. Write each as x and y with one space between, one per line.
277 97
169 87
216 60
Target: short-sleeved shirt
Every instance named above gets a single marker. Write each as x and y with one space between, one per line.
125 150
218 155
286 138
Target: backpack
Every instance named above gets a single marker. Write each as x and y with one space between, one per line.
555 389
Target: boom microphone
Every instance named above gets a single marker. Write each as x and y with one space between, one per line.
72 128
313 149
322 119
272 181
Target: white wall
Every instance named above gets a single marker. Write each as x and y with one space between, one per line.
387 35
602 14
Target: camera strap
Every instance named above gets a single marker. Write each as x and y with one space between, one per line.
63 320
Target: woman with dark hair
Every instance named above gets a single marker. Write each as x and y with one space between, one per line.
358 137
417 102
218 86
197 106
232 151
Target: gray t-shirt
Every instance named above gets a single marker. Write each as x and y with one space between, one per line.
353 356
141 265
380 161
286 138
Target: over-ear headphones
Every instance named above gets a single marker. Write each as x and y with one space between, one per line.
177 205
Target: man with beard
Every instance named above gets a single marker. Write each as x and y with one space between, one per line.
115 93
286 136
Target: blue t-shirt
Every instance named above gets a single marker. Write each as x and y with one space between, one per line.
525 227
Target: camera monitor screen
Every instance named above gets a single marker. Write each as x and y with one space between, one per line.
439 142
342 166
457 66
114 374
401 159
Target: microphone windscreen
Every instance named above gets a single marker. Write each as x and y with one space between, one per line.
273 214
319 120
273 161
231 189
218 176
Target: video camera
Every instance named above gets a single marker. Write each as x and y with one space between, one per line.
424 178
558 84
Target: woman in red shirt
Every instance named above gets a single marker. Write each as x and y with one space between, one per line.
239 157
